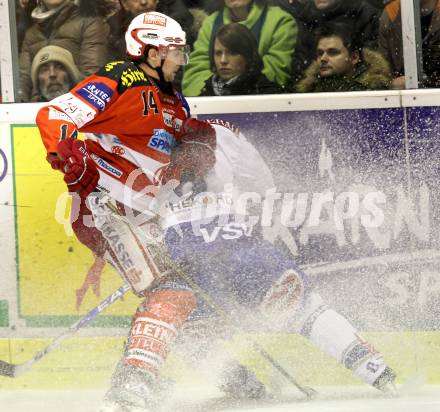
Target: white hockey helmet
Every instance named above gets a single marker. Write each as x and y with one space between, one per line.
157 30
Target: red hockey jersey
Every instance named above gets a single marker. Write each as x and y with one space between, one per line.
131 127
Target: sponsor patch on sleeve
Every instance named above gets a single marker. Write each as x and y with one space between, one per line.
78 111
55 114
106 166
97 94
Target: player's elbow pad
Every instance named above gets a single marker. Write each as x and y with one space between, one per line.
198 132
54 126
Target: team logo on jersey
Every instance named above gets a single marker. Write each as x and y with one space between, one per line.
130 77
118 150
170 121
97 94
162 141
167 119
105 166
178 124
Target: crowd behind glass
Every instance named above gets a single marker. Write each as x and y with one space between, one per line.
239 47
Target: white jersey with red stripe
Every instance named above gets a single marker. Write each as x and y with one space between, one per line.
239 175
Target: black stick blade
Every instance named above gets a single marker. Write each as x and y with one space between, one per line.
7 369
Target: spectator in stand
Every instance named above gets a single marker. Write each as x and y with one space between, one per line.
275 32
391 46
178 10
23 10
119 22
201 4
312 14
237 65
53 73
77 28
209 6
111 7
378 4
343 65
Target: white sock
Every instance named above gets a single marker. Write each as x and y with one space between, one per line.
335 335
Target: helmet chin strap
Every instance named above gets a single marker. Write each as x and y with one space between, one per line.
158 69
160 73
164 85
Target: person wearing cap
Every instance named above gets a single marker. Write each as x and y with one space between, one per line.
53 73
75 25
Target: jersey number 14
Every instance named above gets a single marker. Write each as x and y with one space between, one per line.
149 103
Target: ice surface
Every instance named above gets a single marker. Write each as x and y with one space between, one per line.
196 399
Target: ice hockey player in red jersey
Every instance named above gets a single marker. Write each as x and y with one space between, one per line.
129 110
132 118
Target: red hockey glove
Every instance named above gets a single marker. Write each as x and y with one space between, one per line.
55 161
195 153
81 173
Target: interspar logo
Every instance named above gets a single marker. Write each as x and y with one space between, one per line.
3 165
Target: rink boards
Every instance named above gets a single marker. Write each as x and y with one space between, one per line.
369 156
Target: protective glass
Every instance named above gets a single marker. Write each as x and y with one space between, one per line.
177 54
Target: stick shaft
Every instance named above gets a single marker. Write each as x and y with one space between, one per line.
13 371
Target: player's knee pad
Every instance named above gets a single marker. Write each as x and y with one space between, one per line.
282 301
155 327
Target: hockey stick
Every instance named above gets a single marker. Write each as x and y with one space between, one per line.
15 370
306 390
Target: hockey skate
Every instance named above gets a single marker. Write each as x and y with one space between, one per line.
134 390
369 365
240 383
386 382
